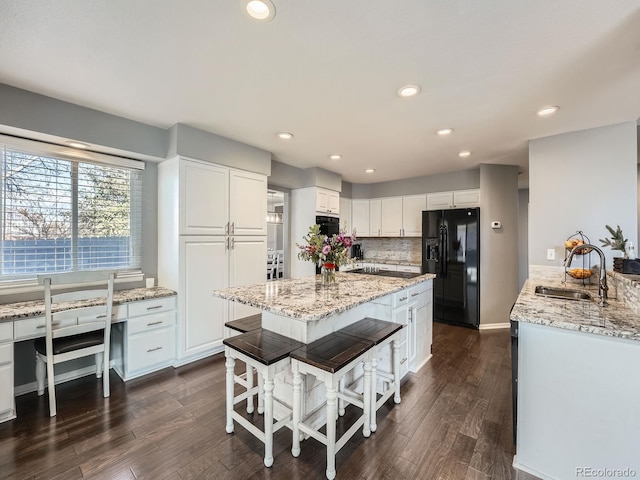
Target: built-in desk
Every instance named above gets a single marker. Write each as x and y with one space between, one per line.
143 335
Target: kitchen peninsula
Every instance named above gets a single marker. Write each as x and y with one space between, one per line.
578 382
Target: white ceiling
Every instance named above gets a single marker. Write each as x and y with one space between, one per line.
328 71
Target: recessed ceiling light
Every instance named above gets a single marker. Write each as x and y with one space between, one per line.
285 135
80 145
444 131
335 156
370 170
261 9
545 111
464 154
409 91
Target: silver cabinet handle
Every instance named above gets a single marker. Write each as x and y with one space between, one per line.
415 294
155 307
154 349
159 322
226 243
53 324
233 228
402 299
233 244
101 316
403 361
226 229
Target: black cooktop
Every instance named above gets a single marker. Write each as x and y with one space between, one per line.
387 273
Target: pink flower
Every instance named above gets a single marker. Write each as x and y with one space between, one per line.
326 249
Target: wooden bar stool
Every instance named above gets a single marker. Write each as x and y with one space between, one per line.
268 353
329 359
237 327
381 333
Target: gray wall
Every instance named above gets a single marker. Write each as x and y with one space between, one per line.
582 181
287 176
498 247
523 236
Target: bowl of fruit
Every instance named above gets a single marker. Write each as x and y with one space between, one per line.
576 242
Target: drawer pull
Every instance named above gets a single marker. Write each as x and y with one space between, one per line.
154 349
155 307
402 299
415 294
53 324
159 322
403 361
101 316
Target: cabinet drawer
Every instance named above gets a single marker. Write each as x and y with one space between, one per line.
6 393
35 327
6 355
118 314
147 307
152 348
400 298
409 268
6 331
151 322
387 267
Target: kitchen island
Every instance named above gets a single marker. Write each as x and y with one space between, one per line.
304 310
578 382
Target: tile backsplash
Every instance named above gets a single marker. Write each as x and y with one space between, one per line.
401 249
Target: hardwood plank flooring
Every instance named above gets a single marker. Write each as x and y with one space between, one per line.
454 423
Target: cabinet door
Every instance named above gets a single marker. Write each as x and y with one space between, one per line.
345 214
6 392
333 202
322 201
439 201
204 268
401 315
247 266
391 217
466 198
204 199
423 334
360 217
375 227
412 207
247 203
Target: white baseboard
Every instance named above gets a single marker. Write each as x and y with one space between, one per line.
186 360
518 466
422 364
60 378
494 326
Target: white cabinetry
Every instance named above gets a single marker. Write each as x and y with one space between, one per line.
391 217
200 251
7 402
327 201
412 207
148 338
360 217
375 217
345 214
454 199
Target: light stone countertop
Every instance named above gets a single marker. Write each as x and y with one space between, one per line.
307 300
35 308
390 262
614 320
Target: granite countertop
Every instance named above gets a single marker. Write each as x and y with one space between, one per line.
614 320
35 308
307 300
390 262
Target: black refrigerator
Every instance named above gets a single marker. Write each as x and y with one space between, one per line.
451 250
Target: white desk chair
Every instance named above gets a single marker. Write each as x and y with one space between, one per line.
83 330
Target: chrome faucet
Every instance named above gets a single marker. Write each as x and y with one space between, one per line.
602 281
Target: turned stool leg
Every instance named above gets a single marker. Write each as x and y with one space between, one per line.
260 394
396 371
374 394
331 432
268 421
41 372
230 364
341 402
297 411
249 374
366 399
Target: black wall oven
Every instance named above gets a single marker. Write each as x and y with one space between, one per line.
328 226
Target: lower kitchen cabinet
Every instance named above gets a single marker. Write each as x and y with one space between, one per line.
147 340
7 405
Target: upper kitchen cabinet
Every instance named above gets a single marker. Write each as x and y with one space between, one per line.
360 217
345 214
214 200
375 217
247 189
204 199
391 217
455 199
327 201
412 207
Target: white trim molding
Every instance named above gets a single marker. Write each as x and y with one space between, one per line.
494 326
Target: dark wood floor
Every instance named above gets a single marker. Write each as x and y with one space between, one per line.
454 422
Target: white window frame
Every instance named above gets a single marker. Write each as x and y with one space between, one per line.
25 285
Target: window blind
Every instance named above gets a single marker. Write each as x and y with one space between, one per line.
63 215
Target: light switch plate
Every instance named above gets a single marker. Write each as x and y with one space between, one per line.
551 253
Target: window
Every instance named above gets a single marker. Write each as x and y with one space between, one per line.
60 214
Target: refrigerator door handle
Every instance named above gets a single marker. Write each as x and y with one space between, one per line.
441 251
446 252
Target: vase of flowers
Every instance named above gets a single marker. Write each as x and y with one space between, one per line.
327 252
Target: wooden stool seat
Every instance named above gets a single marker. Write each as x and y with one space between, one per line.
268 353
236 327
381 333
329 359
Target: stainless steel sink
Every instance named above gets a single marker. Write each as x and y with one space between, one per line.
562 293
